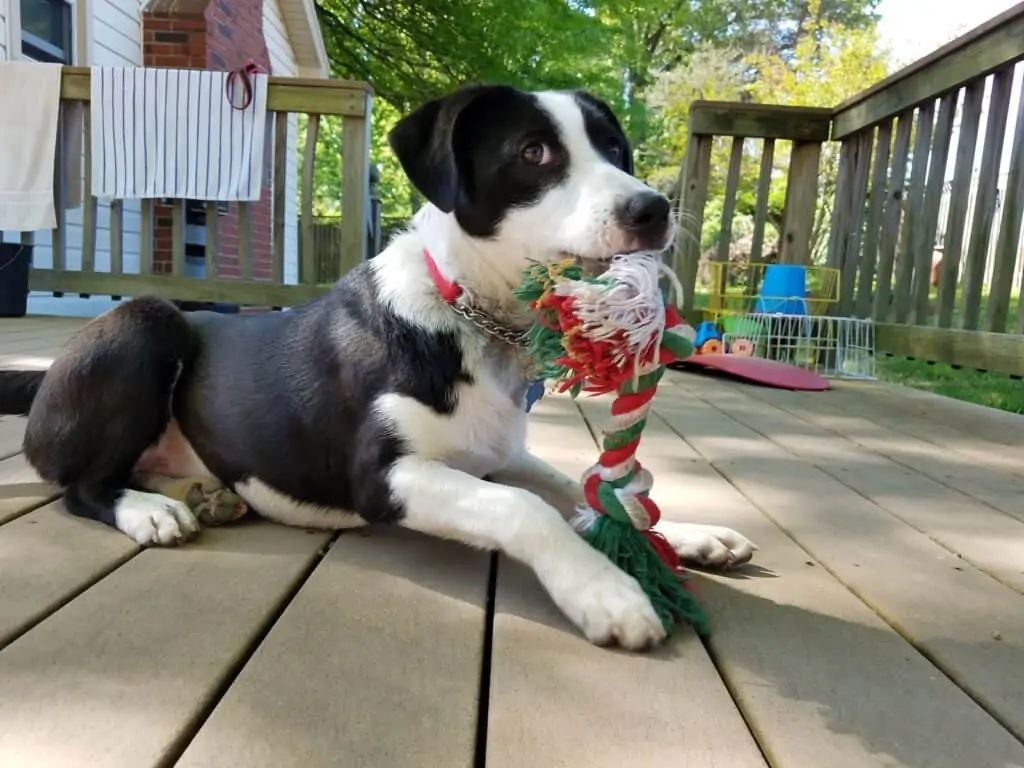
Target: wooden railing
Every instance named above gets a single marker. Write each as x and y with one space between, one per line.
894 206
128 236
806 129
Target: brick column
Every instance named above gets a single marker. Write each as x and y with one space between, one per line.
172 40
218 35
234 35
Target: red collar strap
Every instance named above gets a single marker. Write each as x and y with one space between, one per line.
449 290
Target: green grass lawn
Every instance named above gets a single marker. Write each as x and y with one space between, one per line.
995 390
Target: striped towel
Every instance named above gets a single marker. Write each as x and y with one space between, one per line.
172 133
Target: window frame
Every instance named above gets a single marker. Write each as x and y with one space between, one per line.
35 48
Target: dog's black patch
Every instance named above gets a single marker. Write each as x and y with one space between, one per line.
464 153
604 131
302 419
282 397
105 400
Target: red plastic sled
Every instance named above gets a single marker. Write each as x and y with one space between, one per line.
767 372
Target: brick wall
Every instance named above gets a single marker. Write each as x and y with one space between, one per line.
222 36
234 35
178 41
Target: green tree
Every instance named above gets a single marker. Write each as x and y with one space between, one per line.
656 36
829 64
413 50
826 64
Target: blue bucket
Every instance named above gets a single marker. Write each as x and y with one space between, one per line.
784 290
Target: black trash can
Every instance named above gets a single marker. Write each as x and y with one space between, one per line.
15 260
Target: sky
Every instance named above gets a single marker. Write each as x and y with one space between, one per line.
911 32
912 28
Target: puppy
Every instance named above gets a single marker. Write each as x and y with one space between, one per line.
397 397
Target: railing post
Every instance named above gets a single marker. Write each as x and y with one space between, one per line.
912 240
851 218
375 211
839 205
693 194
307 251
882 305
801 203
1008 242
873 225
985 201
355 185
959 200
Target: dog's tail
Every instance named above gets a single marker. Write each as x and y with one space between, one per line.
18 390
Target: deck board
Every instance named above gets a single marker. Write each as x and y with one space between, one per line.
991 482
927 409
376 662
47 557
558 701
15 472
29 342
972 447
911 581
12 432
987 538
118 677
884 596
817 673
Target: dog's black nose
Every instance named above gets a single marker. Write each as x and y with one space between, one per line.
646 216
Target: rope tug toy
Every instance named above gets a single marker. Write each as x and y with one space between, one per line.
616 333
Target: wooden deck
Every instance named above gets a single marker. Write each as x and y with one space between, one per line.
882 624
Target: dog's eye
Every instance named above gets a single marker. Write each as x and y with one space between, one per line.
537 153
614 152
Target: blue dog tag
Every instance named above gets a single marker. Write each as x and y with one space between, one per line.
534 393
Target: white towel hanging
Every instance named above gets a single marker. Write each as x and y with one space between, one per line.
172 133
30 94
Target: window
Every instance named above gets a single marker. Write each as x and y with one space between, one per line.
46 30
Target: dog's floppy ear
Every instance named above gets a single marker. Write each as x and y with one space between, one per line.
422 141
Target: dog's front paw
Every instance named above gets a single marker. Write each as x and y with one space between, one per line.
152 519
707 546
610 608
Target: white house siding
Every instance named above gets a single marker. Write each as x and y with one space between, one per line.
3 30
115 42
116 36
283 63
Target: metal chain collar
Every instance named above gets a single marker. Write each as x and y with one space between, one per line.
489 325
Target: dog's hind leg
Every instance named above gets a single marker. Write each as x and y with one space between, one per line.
147 518
105 399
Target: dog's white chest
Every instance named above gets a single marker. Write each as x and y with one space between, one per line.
484 431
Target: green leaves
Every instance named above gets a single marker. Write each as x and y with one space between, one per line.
626 51
413 50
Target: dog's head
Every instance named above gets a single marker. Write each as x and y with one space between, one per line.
539 175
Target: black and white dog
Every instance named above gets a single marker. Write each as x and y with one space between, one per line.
398 397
